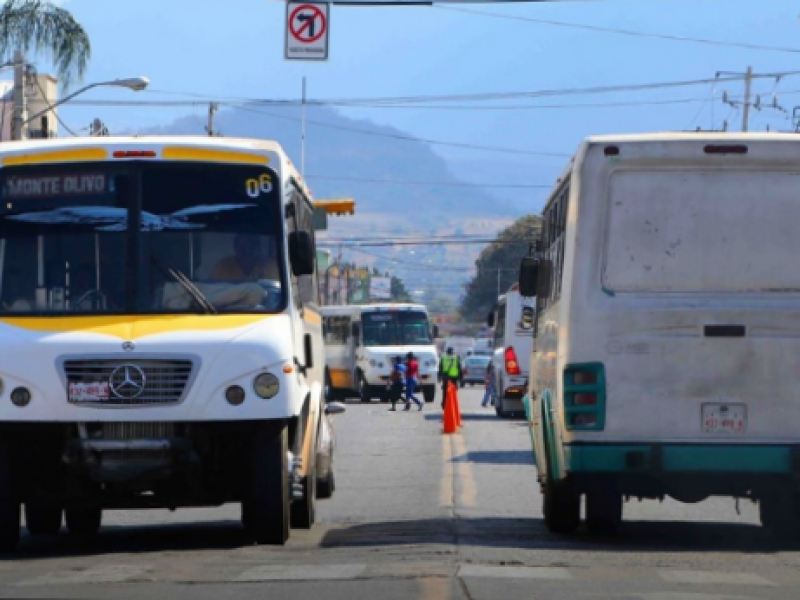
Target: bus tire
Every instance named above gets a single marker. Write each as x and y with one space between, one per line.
83 522
603 511
303 512
327 486
562 505
779 514
363 390
429 393
265 510
9 504
41 519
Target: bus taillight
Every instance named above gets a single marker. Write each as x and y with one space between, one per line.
512 366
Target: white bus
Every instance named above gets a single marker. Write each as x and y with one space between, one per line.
512 319
160 334
667 338
361 341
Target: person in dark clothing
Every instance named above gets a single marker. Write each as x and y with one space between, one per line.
397 382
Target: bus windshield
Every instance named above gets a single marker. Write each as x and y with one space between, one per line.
140 238
395 328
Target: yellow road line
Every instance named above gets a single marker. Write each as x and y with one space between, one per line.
467 493
446 482
434 588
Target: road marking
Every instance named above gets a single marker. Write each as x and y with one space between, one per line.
467 493
446 481
434 588
714 577
515 572
302 572
688 596
107 574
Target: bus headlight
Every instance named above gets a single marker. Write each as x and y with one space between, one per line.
266 385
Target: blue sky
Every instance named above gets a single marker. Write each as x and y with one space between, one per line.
217 49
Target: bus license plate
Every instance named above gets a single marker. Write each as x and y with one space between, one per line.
724 418
96 391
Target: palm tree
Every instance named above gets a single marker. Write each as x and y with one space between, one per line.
43 27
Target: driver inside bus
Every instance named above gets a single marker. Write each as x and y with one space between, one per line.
250 262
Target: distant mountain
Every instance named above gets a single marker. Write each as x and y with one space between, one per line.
340 150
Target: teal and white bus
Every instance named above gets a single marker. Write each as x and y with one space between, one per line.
666 354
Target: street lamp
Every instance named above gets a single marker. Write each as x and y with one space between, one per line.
137 84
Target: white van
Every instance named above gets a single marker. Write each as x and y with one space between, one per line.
362 340
512 320
667 337
483 347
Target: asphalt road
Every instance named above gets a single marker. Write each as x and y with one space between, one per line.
418 514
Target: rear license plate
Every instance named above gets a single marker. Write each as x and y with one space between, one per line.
96 391
724 418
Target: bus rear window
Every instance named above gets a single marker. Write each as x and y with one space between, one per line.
703 231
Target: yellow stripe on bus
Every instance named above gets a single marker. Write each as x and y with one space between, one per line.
56 156
311 317
131 328
200 154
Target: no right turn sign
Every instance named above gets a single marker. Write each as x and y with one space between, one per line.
307 27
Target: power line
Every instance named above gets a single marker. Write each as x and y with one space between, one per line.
375 244
628 32
434 183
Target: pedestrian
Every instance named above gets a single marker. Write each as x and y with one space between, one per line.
396 383
488 384
449 372
412 380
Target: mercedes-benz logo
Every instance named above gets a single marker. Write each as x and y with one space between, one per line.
128 346
127 381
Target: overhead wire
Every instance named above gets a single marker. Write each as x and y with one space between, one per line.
626 32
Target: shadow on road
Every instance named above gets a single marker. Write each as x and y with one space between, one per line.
634 537
118 539
497 457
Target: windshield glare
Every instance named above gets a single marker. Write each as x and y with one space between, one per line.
205 240
396 328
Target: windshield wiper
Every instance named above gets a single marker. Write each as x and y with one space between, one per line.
197 296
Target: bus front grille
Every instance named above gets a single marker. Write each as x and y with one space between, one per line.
129 383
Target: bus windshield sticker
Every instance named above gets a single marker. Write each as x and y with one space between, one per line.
23 188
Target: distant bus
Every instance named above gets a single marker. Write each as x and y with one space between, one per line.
667 330
361 341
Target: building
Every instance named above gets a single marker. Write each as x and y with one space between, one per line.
41 92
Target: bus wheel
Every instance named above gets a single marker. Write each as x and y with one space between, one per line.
603 511
562 507
83 522
303 511
363 390
429 393
9 505
41 519
779 514
265 510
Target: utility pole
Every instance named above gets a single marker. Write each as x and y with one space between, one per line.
213 107
19 110
748 80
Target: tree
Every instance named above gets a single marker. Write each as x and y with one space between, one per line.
499 262
43 27
399 291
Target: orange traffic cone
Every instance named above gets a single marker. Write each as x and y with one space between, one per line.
457 405
450 425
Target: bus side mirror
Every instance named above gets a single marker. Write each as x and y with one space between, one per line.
301 253
435 331
528 277
490 319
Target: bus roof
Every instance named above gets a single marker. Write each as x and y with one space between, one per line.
172 147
